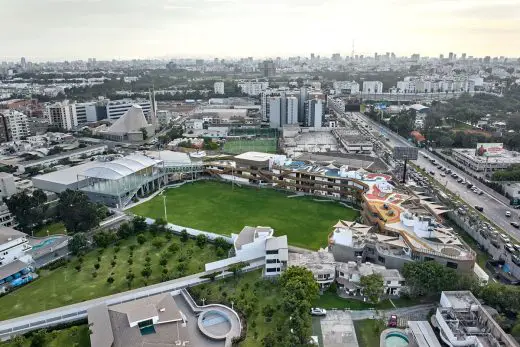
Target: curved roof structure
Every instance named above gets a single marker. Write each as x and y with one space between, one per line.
120 168
132 120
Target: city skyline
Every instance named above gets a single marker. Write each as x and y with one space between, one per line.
78 29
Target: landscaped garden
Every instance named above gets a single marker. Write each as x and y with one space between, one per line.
136 261
219 208
368 332
76 336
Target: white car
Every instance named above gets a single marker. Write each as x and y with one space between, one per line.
508 214
316 311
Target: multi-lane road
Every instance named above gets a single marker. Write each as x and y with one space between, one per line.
494 204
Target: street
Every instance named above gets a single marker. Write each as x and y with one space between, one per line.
494 204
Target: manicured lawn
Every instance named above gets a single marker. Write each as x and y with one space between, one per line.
65 285
241 146
250 294
214 206
78 336
368 332
53 228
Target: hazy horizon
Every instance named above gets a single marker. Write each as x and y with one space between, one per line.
42 30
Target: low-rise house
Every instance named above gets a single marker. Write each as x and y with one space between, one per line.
348 277
14 260
321 264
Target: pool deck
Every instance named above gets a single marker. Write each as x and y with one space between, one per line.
337 329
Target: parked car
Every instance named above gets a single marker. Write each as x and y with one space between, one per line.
515 225
508 213
509 248
443 174
392 322
479 208
316 311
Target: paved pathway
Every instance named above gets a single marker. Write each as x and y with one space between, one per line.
412 311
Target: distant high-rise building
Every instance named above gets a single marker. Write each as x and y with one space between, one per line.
312 56
218 87
23 63
267 68
62 115
416 57
199 62
336 57
387 55
292 110
282 110
303 98
393 55
253 88
376 56
450 56
372 87
117 108
315 111
441 56
14 125
487 59
463 56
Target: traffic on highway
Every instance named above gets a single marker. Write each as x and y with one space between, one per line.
491 204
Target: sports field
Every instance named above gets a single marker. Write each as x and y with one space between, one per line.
241 146
214 206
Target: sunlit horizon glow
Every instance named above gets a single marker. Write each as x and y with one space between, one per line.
126 29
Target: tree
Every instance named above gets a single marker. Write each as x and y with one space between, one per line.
184 235
39 338
110 280
125 230
55 150
298 291
139 224
77 243
77 212
429 278
144 132
104 238
19 341
141 239
268 312
28 210
220 242
201 240
146 272
372 287
159 225
158 242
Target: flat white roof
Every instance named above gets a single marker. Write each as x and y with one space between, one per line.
66 176
255 156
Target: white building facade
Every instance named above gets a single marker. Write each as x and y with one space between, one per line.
253 88
62 115
117 108
218 88
372 87
17 124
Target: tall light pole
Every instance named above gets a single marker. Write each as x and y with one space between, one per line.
164 203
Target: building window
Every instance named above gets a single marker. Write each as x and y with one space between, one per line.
271 270
358 254
272 261
388 282
452 265
272 252
342 274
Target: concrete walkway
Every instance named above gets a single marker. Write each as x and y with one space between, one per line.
44 319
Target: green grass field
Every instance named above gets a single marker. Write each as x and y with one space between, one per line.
368 332
241 146
248 290
215 207
77 336
65 285
53 229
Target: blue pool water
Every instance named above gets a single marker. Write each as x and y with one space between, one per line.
213 318
396 340
45 243
147 330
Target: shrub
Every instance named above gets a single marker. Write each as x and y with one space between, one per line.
113 263
132 247
116 249
147 259
184 235
158 242
201 240
173 248
141 239
163 261
96 266
168 236
130 261
110 280
78 267
94 274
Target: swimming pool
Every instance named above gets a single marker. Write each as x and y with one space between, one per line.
213 318
395 339
44 243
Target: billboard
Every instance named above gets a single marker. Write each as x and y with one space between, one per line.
489 149
408 153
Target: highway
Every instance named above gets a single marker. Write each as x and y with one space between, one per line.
494 204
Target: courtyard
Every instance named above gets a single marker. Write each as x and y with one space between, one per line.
220 208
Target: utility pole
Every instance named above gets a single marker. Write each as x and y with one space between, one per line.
165 214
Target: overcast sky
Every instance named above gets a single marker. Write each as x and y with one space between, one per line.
118 29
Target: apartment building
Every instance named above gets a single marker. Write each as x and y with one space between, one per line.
218 88
253 88
117 108
346 87
14 125
62 115
372 87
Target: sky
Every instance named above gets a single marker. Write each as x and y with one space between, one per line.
124 29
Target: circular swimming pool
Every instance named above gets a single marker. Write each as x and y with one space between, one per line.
215 324
395 339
